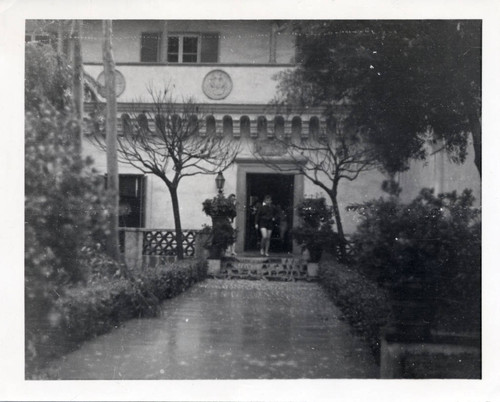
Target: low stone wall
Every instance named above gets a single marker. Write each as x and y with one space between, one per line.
144 248
441 357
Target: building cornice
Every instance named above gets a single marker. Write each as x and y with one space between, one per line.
222 109
156 64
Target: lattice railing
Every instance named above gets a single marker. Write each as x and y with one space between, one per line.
163 242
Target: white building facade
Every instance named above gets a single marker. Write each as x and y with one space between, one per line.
230 68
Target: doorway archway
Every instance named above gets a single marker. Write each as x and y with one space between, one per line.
254 181
280 188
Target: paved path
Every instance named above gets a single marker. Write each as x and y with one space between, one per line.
229 330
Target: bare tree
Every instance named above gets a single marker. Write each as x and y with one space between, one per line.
325 157
175 149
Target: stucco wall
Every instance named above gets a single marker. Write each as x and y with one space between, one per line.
438 172
193 190
241 41
250 85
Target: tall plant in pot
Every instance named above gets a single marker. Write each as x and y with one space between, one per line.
222 210
315 232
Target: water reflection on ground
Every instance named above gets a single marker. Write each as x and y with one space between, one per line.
229 330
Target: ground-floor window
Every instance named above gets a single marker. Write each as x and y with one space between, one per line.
131 210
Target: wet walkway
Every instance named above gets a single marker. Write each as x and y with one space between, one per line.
229 330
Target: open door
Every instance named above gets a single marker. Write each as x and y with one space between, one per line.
280 188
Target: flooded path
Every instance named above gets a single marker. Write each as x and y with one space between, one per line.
229 330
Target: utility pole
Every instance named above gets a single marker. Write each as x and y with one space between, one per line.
111 141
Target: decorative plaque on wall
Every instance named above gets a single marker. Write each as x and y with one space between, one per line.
217 84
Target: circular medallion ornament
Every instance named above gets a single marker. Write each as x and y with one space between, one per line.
217 84
119 81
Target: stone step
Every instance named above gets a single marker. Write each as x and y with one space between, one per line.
271 268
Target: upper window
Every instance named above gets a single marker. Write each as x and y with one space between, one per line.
180 48
183 49
150 46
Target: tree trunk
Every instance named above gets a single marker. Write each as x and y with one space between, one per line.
177 221
78 78
111 144
476 141
338 222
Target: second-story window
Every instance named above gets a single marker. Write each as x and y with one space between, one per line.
183 49
180 48
150 47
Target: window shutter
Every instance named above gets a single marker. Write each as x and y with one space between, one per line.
210 47
150 45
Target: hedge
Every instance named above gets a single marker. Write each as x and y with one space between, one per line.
365 305
83 313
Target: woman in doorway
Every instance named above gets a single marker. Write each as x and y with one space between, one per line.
265 221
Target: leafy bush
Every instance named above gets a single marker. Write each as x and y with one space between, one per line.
65 216
365 305
315 232
83 312
434 238
66 205
219 206
47 78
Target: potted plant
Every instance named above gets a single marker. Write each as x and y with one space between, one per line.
222 210
315 232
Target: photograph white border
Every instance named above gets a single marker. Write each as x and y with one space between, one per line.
13 386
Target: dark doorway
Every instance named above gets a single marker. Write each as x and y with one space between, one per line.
131 212
131 207
280 188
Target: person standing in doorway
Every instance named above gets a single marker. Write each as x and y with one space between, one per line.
265 222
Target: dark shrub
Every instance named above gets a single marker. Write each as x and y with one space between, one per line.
315 232
83 312
222 210
65 216
434 238
47 78
365 305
